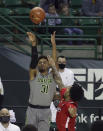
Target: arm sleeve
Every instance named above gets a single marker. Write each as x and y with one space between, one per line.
1 100
34 57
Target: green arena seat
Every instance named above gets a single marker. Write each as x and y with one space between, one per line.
22 11
25 20
6 11
90 22
3 19
11 3
76 3
76 12
3 12
33 2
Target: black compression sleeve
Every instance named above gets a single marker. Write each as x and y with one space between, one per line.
1 100
34 57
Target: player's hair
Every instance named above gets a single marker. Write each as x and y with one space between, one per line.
29 127
42 57
97 126
76 92
61 56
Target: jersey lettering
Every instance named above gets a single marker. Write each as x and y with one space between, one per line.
44 88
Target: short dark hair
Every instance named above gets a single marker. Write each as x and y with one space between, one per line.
29 127
61 56
97 126
42 57
76 92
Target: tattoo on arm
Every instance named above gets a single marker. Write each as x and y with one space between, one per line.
57 77
72 111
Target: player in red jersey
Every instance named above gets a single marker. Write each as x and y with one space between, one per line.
67 109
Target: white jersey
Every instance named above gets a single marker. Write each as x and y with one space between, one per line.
11 127
67 77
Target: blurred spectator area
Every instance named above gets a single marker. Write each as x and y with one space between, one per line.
15 22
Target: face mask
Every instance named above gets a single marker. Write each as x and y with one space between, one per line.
4 119
56 103
61 66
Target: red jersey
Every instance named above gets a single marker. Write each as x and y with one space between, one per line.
62 92
63 118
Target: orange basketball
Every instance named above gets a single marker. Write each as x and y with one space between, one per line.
37 15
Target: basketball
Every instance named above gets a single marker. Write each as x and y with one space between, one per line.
37 15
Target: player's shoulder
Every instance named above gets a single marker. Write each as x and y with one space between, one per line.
68 70
73 104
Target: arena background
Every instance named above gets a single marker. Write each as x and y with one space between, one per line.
14 73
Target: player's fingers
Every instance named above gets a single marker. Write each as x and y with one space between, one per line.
48 57
54 32
30 33
27 33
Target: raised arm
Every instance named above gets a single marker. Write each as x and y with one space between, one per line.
56 74
53 42
34 55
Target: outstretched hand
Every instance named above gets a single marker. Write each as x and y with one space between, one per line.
53 39
51 61
32 38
